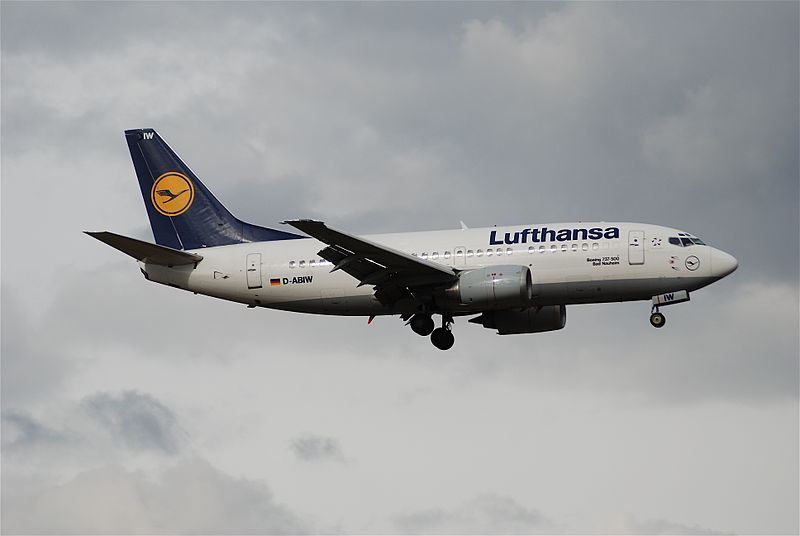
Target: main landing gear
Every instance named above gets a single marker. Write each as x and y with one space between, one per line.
442 338
657 320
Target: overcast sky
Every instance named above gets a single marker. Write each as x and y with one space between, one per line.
132 407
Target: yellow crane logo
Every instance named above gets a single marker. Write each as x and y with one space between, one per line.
172 194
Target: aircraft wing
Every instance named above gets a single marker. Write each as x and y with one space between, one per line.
394 274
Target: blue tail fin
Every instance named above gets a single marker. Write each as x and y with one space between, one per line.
183 213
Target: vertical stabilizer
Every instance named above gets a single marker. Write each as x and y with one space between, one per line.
183 213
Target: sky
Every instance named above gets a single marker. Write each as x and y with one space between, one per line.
129 407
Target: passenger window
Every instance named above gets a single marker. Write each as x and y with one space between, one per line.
541 249
479 253
489 252
435 255
312 263
446 254
509 251
424 256
302 264
553 248
574 247
291 264
595 246
531 249
585 247
469 253
563 248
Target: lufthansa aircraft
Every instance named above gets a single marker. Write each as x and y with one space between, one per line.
515 279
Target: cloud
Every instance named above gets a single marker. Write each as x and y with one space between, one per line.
136 420
21 431
486 514
189 497
499 514
662 526
31 367
310 448
72 477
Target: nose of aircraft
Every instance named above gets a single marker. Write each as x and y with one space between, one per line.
722 263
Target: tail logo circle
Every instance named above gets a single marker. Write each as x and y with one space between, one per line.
172 194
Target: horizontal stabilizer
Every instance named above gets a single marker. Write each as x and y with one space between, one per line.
145 251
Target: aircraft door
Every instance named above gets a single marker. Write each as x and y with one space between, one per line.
460 256
636 247
254 270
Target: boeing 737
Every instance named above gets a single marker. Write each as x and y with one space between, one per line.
516 279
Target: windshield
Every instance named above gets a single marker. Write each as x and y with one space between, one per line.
685 241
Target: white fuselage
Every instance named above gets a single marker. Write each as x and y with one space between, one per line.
570 263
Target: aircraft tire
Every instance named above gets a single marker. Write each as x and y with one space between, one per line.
422 324
657 320
442 338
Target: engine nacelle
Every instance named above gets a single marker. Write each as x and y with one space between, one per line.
530 320
493 287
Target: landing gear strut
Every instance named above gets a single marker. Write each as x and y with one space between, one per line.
442 338
657 319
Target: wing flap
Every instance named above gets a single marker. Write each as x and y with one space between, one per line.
393 273
145 251
377 253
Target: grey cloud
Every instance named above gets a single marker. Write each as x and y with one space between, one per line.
662 526
21 431
138 421
486 514
499 514
31 367
190 497
310 447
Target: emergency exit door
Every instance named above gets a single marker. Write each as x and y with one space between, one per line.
636 247
254 270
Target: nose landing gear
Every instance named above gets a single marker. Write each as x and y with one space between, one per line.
657 320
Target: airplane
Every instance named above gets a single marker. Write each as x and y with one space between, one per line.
513 280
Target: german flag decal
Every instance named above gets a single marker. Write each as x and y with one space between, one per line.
274 281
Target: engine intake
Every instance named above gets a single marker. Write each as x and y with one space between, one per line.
530 320
493 287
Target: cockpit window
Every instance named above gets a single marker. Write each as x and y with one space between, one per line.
685 241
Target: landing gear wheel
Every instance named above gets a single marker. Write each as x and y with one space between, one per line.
422 324
657 320
442 338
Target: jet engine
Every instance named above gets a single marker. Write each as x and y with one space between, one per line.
530 320
493 287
